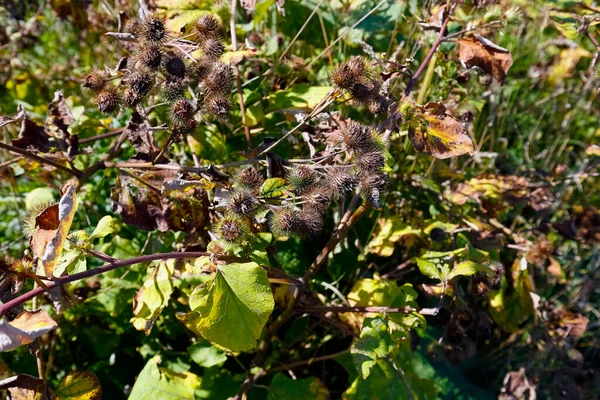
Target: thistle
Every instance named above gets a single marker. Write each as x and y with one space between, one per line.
232 231
220 79
300 178
108 100
174 65
149 55
95 80
182 112
207 27
153 29
249 178
212 48
243 202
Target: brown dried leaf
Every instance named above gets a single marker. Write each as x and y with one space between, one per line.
490 188
436 133
24 329
23 387
593 150
59 116
33 137
517 386
480 52
141 138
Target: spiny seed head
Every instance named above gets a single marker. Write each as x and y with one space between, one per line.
362 93
249 178
153 29
318 198
131 98
377 104
286 221
300 178
371 186
340 182
174 65
134 26
108 100
220 79
372 161
149 55
217 105
213 48
201 68
182 112
232 230
173 90
356 137
206 27
29 222
355 70
312 222
95 80
140 80
243 202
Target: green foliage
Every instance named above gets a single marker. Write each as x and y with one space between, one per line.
163 383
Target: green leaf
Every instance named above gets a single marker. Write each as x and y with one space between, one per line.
232 310
206 355
153 297
301 96
39 195
429 269
105 227
273 188
375 343
260 257
391 230
467 268
159 383
283 387
79 385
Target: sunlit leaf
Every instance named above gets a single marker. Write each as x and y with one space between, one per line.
273 188
79 385
467 268
206 355
105 227
375 343
390 231
478 51
24 329
153 297
159 383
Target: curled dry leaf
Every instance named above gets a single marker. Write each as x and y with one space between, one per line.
52 226
59 116
24 329
140 137
23 387
476 51
435 132
517 386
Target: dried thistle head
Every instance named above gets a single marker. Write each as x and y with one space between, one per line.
95 80
153 29
340 181
201 68
173 90
108 100
300 178
356 137
133 26
317 198
207 27
352 72
149 55
371 161
286 221
232 230
217 105
371 185
220 79
312 222
182 112
140 80
249 178
243 202
131 98
212 48
174 65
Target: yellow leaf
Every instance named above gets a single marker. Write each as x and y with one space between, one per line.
79 385
24 329
566 63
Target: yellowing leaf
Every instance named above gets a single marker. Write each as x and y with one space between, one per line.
105 227
273 188
232 310
480 52
79 385
389 232
435 132
489 187
158 383
153 297
566 63
24 329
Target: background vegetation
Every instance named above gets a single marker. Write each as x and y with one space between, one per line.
468 275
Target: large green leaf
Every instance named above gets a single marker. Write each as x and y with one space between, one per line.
206 355
283 387
231 310
375 343
153 296
159 383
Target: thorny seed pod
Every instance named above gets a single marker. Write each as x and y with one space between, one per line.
153 29
182 112
213 48
133 26
201 68
318 198
30 220
300 178
173 90
108 100
352 72
371 185
357 137
149 55
232 230
207 27
139 80
340 181
217 105
286 221
220 79
362 93
131 98
312 222
377 104
95 80
174 65
249 178
359 67
372 161
243 202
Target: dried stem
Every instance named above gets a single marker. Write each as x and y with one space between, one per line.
39 159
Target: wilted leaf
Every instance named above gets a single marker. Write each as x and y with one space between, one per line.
375 343
231 310
435 132
79 385
273 188
282 387
565 64
59 116
476 51
24 329
510 306
159 383
570 324
556 270
390 231
517 386
153 297
33 137
23 387
141 138
490 187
